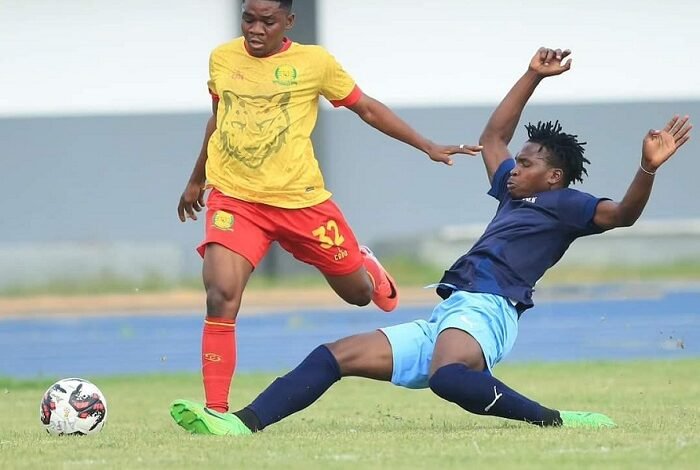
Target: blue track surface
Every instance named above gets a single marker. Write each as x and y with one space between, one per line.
668 328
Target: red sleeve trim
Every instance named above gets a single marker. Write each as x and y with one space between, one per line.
349 100
214 96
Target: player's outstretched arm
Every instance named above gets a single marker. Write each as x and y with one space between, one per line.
192 198
379 116
501 126
657 148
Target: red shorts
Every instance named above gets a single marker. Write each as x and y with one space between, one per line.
317 235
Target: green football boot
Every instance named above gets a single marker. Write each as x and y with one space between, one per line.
197 419
584 419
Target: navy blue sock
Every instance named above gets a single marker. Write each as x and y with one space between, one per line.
293 392
482 394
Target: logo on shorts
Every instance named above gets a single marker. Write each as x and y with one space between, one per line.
466 321
223 221
285 75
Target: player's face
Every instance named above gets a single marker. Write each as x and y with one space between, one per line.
532 173
264 24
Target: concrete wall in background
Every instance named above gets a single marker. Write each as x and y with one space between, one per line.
118 179
97 180
388 189
646 243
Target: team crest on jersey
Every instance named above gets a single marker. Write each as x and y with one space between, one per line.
254 128
223 221
285 75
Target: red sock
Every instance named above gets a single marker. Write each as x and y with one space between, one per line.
218 361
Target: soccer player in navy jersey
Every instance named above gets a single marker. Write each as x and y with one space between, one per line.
486 290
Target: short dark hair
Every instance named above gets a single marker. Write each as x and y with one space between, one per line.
284 4
565 151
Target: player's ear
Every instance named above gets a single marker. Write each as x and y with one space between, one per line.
556 176
290 21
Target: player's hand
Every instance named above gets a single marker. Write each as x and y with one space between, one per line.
659 146
548 62
442 153
191 201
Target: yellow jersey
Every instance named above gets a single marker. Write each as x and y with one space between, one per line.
267 107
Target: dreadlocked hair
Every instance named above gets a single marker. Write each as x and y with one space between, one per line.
566 152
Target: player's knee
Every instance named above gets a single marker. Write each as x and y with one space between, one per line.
345 355
360 295
439 384
362 300
339 352
443 383
222 302
455 383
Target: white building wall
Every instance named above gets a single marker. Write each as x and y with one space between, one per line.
457 52
132 56
103 56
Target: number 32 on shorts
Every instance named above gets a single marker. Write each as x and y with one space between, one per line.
329 235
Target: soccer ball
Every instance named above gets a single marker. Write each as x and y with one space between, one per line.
73 406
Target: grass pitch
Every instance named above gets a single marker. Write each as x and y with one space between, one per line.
365 424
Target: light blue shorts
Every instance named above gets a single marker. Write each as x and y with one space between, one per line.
491 319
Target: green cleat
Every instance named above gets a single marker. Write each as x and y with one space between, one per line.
584 419
197 419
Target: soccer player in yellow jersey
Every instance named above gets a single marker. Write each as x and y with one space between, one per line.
266 184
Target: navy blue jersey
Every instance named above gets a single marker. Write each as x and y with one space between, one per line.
525 238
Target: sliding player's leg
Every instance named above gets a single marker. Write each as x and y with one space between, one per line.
476 331
366 355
